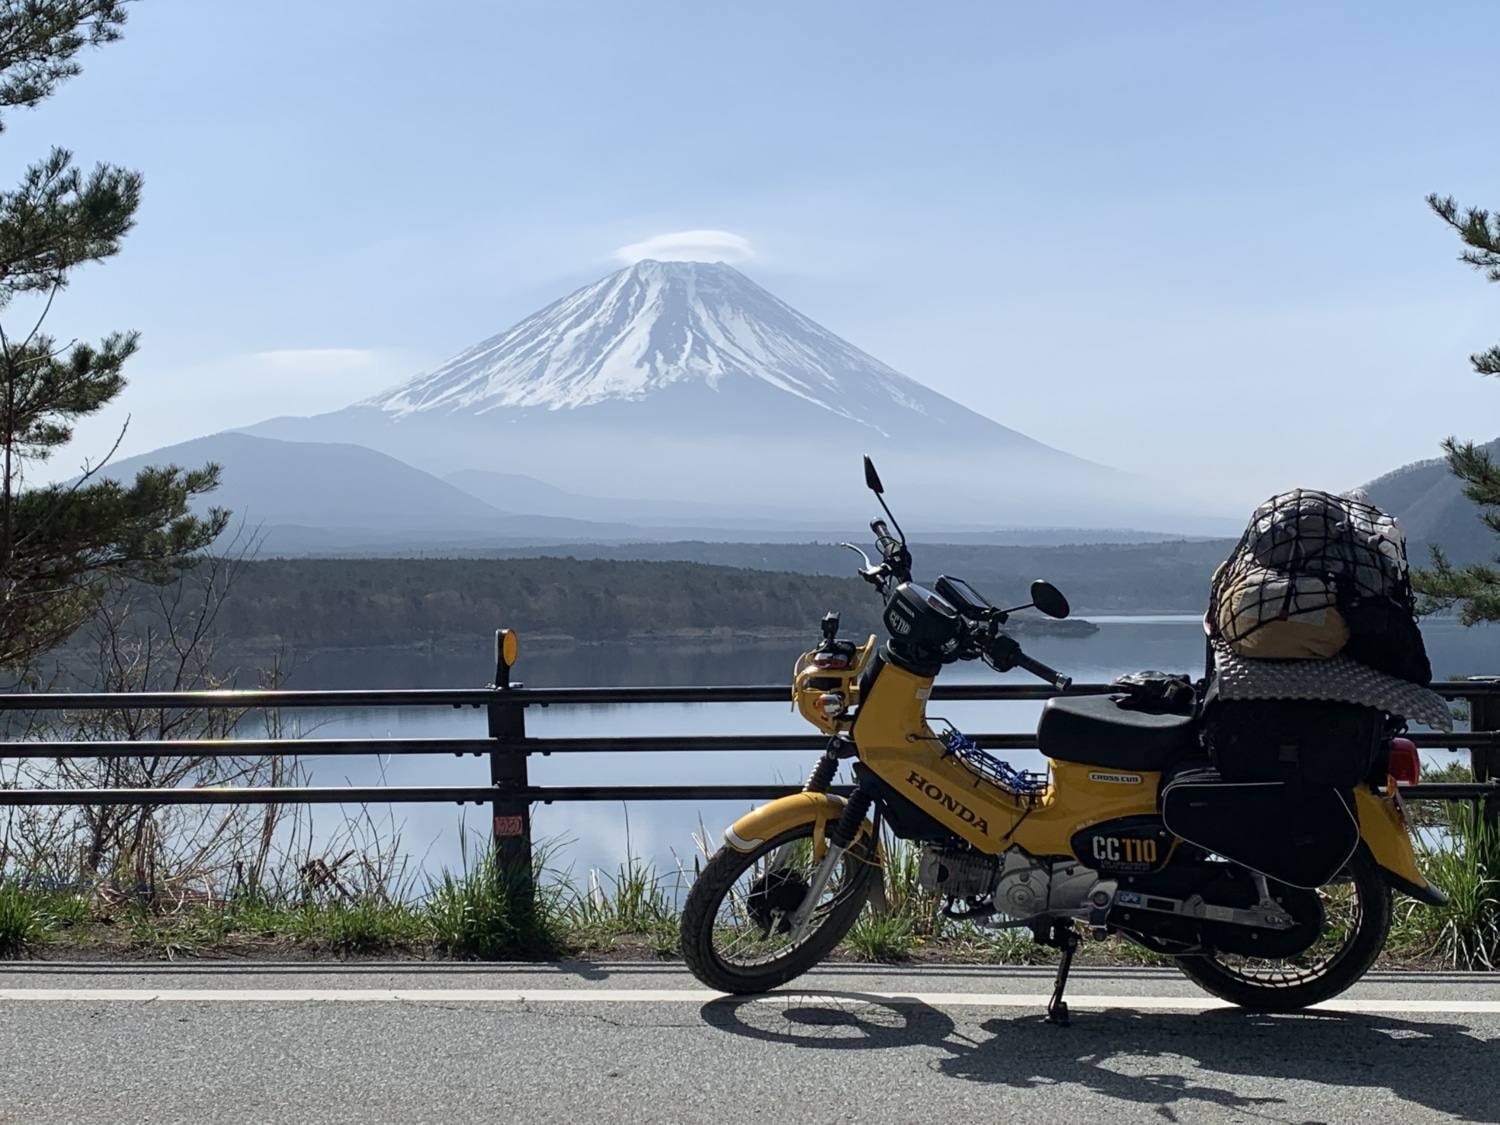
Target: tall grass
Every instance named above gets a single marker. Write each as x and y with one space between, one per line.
362 926
486 913
1459 852
343 907
635 900
886 938
22 923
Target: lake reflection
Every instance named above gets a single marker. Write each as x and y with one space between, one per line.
594 835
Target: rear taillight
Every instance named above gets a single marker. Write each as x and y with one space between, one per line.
1406 766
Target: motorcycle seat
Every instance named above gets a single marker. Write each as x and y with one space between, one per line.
1094 730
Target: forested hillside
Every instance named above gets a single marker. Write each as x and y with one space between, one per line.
357 602
348 602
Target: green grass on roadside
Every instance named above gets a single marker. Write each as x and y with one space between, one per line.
361 926
882 937
22 921
479 913
636 900
482 913
1459 853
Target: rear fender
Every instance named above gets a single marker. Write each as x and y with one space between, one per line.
1382 826
784 814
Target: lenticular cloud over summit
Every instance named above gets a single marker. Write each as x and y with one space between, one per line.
688 246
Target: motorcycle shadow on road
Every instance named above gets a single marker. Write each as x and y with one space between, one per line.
1153 1058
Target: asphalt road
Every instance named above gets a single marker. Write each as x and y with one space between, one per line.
633 1043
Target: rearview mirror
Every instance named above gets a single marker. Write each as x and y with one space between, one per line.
872 478
1049 599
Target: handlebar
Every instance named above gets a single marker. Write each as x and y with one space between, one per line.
895 559
1002 653
888 544
1041 671
978 624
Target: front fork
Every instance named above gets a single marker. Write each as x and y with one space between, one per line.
817 782
841 839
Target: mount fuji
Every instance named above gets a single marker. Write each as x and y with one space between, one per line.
686 381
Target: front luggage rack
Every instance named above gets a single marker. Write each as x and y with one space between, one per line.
1023 783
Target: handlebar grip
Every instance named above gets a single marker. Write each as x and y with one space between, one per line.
884 540
1041 671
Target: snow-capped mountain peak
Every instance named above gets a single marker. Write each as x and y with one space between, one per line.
687 381
651 326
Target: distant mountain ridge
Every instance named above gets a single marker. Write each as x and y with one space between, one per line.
310 496
318 483
1429 502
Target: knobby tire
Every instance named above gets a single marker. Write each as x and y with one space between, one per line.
701 915
1278 989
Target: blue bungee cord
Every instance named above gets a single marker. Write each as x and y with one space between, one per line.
1022 783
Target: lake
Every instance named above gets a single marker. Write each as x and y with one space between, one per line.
593 835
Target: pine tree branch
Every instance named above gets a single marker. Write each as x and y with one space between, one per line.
1480 231
1477 228
1487 362
40 41
64 547
59 219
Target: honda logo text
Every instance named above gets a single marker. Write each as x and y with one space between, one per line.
956 807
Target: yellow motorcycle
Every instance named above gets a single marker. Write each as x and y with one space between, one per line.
1270 894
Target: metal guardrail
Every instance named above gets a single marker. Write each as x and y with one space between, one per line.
509 748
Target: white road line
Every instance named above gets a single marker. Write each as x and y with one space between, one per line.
692 996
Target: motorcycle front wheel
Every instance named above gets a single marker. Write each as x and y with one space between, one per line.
1357 919
736 922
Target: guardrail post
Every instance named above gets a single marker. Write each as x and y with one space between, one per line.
1484 717
508 773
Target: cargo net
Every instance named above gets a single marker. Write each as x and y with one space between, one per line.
1305 555
1023 783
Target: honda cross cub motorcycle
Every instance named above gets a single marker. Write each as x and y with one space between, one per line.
1273 895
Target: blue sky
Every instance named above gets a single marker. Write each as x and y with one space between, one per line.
1184 239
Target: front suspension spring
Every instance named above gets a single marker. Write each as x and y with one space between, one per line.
851 818
822 775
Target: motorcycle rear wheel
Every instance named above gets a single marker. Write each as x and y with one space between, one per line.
1358 919
735 921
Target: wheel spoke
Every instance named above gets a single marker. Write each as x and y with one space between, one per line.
751 926
1356 917
1341 921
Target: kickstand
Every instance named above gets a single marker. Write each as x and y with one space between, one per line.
1065 938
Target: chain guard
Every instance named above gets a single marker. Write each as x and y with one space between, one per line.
1222 885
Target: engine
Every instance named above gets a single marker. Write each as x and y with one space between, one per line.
1018 886
958 872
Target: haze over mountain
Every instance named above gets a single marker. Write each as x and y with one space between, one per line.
315 497
323 498
686 381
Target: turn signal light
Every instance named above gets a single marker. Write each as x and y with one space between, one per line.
1406 766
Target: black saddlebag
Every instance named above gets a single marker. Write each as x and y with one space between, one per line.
1309 742
1297 834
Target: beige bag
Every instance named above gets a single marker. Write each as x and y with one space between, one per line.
1272 615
